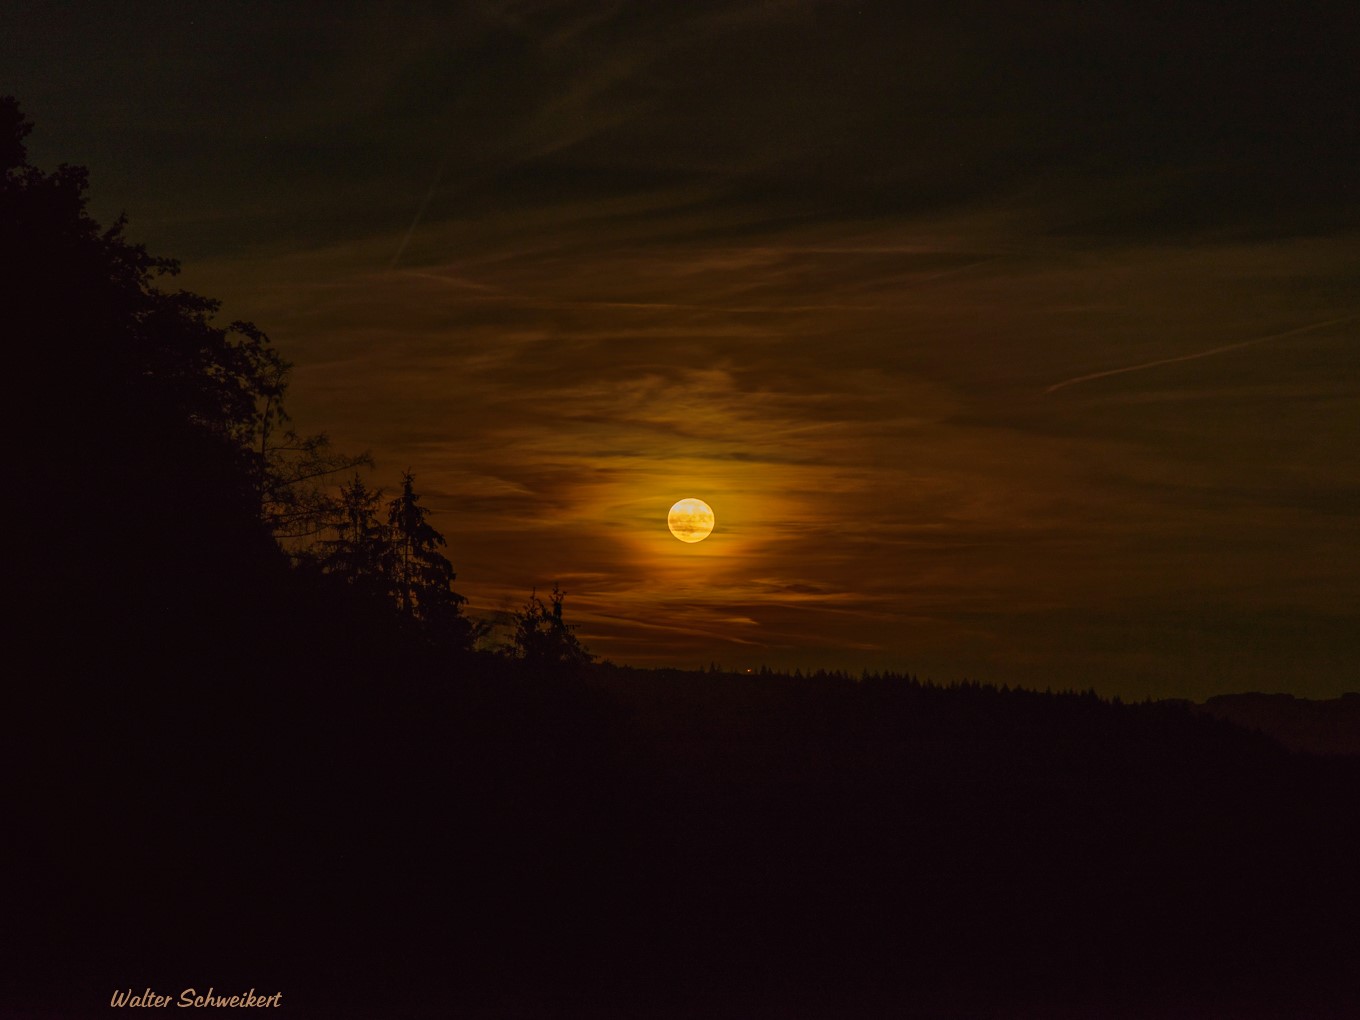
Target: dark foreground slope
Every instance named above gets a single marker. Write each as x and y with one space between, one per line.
373 833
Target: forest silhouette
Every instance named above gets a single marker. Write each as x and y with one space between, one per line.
255 741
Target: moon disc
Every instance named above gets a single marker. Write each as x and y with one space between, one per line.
690 520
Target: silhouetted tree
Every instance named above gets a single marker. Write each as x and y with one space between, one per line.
398 561
543 638
292 469
421 575
361 553
294 500
138 412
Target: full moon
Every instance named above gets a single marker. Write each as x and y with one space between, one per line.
690 520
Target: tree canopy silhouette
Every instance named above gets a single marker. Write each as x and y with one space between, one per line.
397 562
360 553
544 638
154 446
137 410
293 472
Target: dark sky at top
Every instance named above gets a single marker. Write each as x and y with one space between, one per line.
1009 342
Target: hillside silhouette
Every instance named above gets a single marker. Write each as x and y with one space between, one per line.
241 761
1302 724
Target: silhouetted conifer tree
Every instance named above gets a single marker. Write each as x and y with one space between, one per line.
421 575
361 552
543 638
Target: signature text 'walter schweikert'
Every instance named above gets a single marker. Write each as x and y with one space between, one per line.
190 997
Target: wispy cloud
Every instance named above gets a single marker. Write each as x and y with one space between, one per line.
1225 348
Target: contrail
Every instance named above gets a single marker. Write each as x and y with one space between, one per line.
1202 354
419 213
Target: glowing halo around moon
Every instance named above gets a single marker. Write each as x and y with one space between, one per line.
690 520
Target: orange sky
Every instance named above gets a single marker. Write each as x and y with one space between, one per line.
862 282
